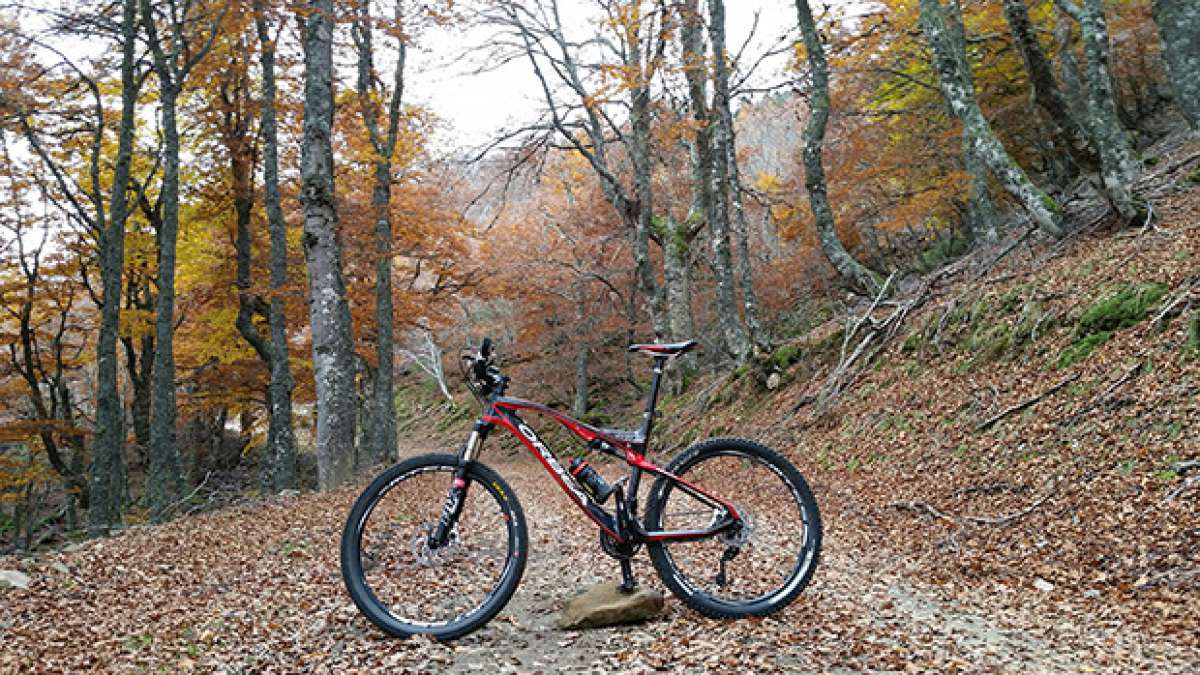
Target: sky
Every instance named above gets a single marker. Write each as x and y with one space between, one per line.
475 107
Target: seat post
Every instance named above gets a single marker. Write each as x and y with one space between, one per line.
652 398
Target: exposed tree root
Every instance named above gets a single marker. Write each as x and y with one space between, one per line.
1012 410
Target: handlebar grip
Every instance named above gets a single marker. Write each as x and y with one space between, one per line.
485 348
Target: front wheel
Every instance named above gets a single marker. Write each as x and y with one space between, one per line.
754 570
401 581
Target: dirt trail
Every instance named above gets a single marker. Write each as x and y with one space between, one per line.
257 589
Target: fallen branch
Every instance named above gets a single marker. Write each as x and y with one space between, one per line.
1131 373
1017 515
1006 250
171 507
922 507
1012 410
1191 482
1173 308
866 315
1183 467
929 509
1170 169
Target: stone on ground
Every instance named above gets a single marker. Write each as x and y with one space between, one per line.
606 605
14 579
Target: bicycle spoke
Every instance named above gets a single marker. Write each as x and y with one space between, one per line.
738 567
421 584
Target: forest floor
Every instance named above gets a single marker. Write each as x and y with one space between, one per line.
256 588
1002 490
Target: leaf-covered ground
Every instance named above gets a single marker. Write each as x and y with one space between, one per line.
257 589
958 537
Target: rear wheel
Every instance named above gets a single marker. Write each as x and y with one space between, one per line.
405 586
756 570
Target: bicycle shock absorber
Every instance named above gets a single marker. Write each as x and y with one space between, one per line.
450 512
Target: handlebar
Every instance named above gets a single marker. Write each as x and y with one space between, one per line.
482 376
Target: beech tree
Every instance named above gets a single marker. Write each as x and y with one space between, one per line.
853 273
39 294
98 201
581 117
709 177
332 339
381 116
1119 165
173 58
957 84
726 161
1179 27
281 439
1067 130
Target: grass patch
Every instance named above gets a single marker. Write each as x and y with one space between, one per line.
1123 308
1191 348
786 356
1080 349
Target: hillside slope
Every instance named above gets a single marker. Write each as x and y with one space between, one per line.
997 487
1024 434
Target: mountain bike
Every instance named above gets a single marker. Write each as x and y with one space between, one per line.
437 543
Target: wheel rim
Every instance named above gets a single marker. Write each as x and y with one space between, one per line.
774 551
423 589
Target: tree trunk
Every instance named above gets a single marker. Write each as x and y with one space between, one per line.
981 212
958 88
107 484
382 399
852 272
163 478
281 438
1179 28
677 278
385 343
639 153
1067 130
368 440
1119 165
709 182
139 367
726 159
583 329
332 341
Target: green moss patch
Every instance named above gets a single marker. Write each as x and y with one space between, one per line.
1123 308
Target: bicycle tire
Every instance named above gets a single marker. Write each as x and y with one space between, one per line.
689 590
481 480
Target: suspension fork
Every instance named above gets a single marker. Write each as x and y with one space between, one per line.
457 495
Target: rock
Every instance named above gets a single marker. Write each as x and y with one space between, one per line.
773 381
289 493
606 605
60 568
14 579
1043 585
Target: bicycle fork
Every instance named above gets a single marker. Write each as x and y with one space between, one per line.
457 496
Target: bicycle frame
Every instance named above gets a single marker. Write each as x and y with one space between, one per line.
623 525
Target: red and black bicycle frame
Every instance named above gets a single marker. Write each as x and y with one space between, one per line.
622 526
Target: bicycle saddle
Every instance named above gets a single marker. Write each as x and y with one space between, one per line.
666 348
